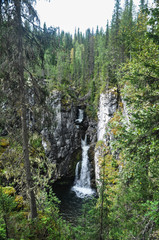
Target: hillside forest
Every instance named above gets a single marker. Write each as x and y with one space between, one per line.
34 62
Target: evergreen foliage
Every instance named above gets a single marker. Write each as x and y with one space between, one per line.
35 61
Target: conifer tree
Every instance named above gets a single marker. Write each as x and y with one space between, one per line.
126 30
115 46
16 60
107 35
21 80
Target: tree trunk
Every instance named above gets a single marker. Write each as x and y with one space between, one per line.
26 158
20 70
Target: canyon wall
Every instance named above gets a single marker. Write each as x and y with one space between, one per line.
62 140
107 108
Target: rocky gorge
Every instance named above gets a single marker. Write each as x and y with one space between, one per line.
62 142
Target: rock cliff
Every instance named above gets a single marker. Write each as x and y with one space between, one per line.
62 140
107 107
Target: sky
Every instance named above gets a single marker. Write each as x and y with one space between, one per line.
71 14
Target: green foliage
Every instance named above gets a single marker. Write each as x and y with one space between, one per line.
2 230
137 142
151 211
87 228
129 199
48 225
36 141
126 56
7 204
55 227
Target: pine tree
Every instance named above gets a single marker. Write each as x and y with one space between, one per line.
21 80
126 30
14 79
115 46
116 20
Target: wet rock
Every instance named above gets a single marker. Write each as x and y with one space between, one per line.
62 141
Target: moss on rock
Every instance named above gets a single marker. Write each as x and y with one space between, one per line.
9 190
4 142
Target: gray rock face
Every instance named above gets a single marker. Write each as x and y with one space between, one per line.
63 139
107 108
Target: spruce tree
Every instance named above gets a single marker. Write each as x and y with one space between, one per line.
107 35
21 80
13 74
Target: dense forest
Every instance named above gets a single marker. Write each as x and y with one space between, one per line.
34 62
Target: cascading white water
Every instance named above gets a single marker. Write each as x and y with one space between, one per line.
82 183
80 116
77 171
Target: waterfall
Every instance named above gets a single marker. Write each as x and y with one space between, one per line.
77 171
82 183
80 116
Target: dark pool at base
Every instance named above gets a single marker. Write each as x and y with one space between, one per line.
71 205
